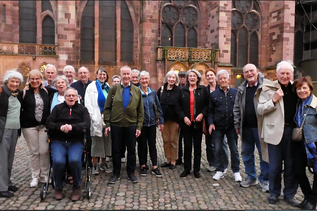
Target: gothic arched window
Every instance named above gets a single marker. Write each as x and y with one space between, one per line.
48 31
179 23
245 26
27 21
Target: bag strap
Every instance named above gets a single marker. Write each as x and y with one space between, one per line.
304 119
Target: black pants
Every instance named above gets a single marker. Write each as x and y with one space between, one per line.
189 135
147 137
123 136
180 145
300 161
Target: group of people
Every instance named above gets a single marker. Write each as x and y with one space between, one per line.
128 113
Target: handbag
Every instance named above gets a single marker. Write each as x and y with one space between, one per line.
297 134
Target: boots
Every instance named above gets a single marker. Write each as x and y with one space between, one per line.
58 195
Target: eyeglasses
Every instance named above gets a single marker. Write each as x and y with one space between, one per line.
71 95
35 79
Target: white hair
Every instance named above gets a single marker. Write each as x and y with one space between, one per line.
50 65
70 88
12 74
135 71
220 72
282 63
196 72
35 72
115 76
142 73
69 67
126 66
60 77
170 73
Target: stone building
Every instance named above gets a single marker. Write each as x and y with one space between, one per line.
158 36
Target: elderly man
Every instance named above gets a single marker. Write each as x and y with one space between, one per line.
276 110
245 123
66 124
50 74
135 77
82 83
220 120
124 112
70 73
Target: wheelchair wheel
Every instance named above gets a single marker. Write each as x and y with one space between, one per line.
43 192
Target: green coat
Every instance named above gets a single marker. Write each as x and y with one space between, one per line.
115 115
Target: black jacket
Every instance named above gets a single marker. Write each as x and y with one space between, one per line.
220 111
4 104
81 89
28 108
168 101
77 116
183 104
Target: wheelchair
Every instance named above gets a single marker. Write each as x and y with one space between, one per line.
45 186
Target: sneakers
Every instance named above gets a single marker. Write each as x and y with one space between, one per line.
133 178
108 159
34 183
123 160
95 170
237 177
265 187
113 179
211 168
104 167
248 182
143 172
218 175
76 193
157 172
58 194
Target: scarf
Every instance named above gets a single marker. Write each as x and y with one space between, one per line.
101 96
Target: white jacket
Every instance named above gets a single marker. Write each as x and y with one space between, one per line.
91 103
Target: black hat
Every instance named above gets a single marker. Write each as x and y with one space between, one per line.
182 73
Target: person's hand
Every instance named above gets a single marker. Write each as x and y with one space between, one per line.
187 121
278 95
161 127
137 133
238 131
66 128
107 130
199 117
211 128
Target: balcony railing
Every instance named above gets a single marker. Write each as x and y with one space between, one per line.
187 54
28 49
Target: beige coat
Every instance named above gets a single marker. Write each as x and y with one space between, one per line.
270 117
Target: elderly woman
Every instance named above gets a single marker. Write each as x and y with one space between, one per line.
305 150
167 95
35 110
210 75
192 107
96 95
61 84
153 116
10 106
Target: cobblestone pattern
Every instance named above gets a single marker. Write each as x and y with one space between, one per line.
170 192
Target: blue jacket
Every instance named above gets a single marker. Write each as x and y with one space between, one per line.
220 111
310 124
149 111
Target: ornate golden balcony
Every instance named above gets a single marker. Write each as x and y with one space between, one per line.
28 49
187 54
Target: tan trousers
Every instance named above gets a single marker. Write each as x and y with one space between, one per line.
170 139
36 139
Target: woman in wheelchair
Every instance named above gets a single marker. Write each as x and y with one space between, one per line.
66 124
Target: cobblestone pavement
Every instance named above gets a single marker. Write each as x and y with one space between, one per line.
169 192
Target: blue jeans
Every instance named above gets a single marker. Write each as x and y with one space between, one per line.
210 151
74 152
278 154
250 139
232 137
